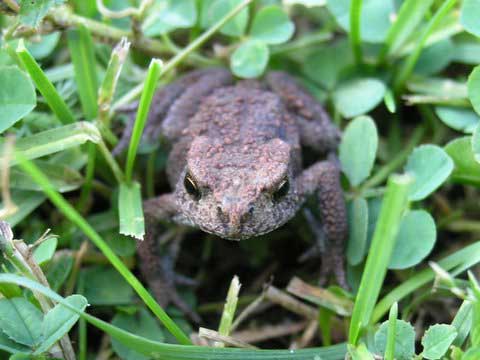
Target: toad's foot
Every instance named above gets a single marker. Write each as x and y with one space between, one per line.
164 290
157 258
163 281
332 257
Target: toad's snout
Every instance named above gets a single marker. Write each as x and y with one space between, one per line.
233 214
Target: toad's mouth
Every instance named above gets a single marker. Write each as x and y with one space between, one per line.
228 236
236 236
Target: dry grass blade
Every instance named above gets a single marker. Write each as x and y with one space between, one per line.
225 339
289 302
9 206
269 332
323 297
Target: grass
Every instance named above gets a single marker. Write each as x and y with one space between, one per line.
395 86
44 86
412 59
153 75
392 322
355 40
383 241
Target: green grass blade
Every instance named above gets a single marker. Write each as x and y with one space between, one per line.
153 75
117 172
475 330
130 210
82 326
409 64
391 332
410 14
463 323
355 38
104 101
62 138
157 350
109 83
43 84
229 308
55 140
455 263
83 58
450 27
89 174
359 353
73 215
383 241
63 178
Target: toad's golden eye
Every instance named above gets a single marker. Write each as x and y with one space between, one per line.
282 190
191 186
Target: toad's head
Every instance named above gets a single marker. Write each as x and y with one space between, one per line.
238 191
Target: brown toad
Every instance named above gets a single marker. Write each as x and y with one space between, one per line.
235 165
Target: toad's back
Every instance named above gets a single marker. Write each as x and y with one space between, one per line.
237 131
237 116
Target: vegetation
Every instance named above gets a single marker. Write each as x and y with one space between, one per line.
398 77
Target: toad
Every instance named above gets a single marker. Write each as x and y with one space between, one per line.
235 167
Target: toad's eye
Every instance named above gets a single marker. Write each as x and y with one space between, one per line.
282 190
191 186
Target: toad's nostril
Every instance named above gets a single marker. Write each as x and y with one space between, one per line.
248 214
234 215
222 215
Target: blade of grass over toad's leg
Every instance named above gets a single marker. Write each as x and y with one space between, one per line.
153 75
46 88
55 140
391 332
165 351
455 263
409 64
355 39
178 58
73 215
410 14
130 210
82 53
383 241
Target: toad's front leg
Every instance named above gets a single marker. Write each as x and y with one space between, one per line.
323 179
158 268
